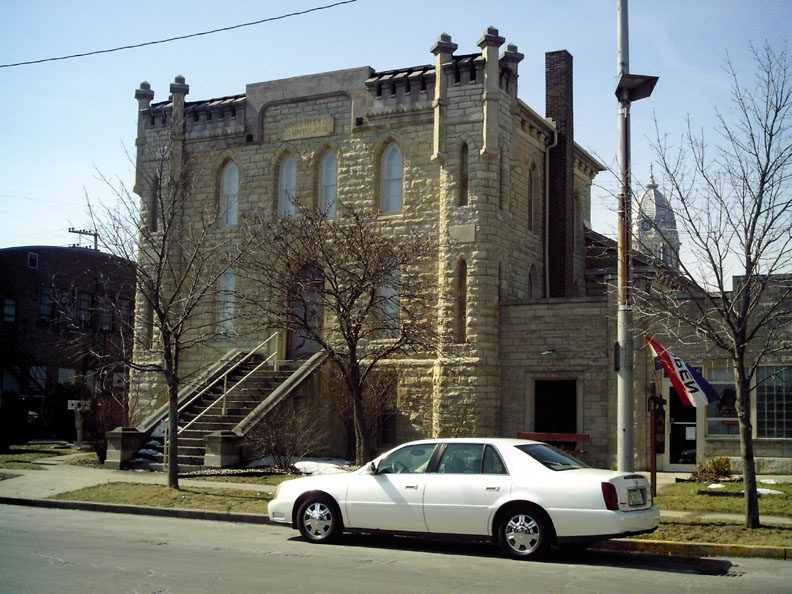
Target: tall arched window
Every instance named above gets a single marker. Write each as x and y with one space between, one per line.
287 187
500 181
229 190
531 196
460 324
463 175
389 302
328 184
391 191
225 303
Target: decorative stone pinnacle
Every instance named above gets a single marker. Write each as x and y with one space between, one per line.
491 38
144 92
512 55
179 86
444 45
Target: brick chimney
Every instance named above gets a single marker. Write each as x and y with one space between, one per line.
560 200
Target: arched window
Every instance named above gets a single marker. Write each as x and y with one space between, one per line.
287 187
328 184
391 191
500 180
463 175
389 302
531 196
460 325
229 190
225 303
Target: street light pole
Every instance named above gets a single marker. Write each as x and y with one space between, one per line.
630 88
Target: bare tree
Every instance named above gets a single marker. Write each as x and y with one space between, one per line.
180 248
734 204
351 287
379 401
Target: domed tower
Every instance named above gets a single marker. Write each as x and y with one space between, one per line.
654 225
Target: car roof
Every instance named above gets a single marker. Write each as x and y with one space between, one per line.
506 441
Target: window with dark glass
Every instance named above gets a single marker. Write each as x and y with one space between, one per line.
9 309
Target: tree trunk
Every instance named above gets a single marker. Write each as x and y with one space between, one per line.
362 446
746 446
173 436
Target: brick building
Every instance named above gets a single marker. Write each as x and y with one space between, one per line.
447 148
60 305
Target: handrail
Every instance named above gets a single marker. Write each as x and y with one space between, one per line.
224 377
227 392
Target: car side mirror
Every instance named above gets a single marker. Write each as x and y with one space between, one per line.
371 468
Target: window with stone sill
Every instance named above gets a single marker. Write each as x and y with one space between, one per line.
391 174
287 187
9 309
328 184
463 175
225 303
229 195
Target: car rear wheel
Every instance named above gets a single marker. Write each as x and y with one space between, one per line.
319 520
523 533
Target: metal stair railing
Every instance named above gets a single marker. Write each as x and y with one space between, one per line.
224 377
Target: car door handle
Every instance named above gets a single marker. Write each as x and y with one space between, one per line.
411 487
492 488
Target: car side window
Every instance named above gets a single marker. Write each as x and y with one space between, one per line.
492 462
461 458
409 459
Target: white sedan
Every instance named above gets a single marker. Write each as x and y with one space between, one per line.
527 495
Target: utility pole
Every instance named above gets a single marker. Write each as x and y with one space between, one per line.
631 87
82 232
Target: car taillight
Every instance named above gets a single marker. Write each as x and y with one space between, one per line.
611 499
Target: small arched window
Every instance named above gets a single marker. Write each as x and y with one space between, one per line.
463 175
229 195
460 325
391 191
287 187
328 184
225 303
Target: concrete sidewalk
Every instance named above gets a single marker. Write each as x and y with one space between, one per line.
33 487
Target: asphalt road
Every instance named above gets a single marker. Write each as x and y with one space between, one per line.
64 551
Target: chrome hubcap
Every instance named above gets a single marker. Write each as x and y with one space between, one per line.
318 520
522 533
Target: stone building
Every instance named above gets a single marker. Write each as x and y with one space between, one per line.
447 148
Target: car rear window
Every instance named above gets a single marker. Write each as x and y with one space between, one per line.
551 457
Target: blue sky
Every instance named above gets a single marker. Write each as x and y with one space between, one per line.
62 121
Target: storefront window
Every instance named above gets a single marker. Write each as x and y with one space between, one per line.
774 402
722 415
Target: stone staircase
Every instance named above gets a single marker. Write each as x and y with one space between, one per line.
239 403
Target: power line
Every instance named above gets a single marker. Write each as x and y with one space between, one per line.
180 37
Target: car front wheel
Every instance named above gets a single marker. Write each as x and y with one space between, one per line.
523 533
319 520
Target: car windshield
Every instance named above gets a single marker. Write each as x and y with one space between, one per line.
551 457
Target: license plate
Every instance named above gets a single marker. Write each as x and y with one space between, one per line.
636 496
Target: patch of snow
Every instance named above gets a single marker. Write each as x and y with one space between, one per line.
159 430
146 452
769 492
716 486
322 466
768 482
308 465
154 443
140 461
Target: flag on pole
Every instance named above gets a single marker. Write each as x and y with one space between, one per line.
688 382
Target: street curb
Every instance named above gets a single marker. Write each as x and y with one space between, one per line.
140 510
627 545
695 549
